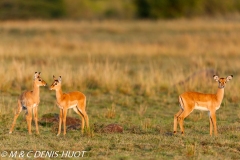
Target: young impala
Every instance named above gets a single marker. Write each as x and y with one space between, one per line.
29 101
206 102
75 100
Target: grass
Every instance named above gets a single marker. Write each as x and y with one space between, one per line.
128 71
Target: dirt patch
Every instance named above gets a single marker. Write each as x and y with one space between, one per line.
113 128
52 120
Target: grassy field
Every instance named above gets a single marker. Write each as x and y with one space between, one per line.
129 72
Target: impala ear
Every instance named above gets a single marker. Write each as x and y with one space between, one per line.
216 78
60 79
35 75
229 77
39 73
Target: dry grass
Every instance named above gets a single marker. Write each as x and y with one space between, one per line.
128 71
101 53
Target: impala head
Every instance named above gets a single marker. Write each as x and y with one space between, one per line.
222 81
38 80
56 83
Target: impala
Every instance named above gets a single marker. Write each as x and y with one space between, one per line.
206 102
29 101
75 100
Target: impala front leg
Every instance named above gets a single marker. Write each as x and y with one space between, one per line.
29 119
210 123
36 118
214 122
60 121
64 121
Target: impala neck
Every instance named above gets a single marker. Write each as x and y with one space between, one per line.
59 94
35 90
220 94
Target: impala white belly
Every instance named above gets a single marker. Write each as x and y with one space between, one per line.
201 108
72 106
60 107
204 108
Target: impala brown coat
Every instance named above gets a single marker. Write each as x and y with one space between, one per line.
29 100
206 102
75 100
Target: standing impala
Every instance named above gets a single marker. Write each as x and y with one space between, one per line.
29 101
75 100
206 102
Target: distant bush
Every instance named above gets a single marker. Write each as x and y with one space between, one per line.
100 9
27 9
185 8
115 9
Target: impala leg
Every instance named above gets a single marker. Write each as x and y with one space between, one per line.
60 122
210 123
87 120
214 122
64 121
182 117
19 110
81 115
29 119
176 120
180 120
85 117
35 114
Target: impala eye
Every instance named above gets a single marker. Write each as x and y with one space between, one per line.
39 80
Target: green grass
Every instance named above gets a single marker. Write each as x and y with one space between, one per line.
127 70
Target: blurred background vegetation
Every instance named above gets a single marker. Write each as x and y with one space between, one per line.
117 9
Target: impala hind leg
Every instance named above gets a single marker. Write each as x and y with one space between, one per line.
86 119
84 116
19 110
176 120
181 118
60 121
81 115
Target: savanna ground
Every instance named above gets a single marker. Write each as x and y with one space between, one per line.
128 71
